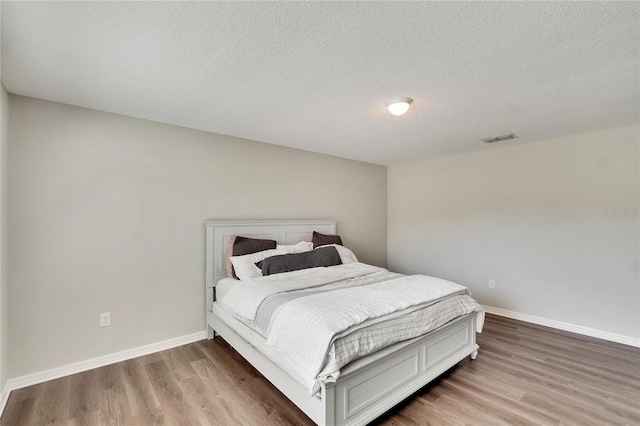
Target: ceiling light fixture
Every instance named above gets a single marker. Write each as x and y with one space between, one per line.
399 106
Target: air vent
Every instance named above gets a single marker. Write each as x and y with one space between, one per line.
499 138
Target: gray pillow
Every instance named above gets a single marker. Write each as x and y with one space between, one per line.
325 256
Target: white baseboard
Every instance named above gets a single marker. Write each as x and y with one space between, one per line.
5 397
78 367
586 331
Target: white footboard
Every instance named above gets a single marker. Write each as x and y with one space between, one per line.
374 384
363 393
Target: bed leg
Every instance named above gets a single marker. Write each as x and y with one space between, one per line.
474 355
210 333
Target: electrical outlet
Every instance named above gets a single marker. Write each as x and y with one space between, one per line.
105 319
492 283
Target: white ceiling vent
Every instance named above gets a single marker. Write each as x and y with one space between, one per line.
499 138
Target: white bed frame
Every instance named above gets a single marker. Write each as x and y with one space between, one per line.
367 387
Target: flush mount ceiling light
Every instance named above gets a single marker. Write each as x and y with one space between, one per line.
399 106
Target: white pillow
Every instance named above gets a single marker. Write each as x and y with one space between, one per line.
301 247
346 255
245 266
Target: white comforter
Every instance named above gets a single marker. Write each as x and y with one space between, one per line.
246 297
321 332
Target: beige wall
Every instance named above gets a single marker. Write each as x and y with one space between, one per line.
106 214
532 217
4 286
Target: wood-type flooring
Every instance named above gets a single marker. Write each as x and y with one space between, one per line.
525 374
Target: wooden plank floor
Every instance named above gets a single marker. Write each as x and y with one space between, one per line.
524 375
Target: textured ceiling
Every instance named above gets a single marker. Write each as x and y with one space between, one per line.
316 75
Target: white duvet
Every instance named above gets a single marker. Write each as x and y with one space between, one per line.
321 332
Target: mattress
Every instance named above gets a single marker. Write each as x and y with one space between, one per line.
223 286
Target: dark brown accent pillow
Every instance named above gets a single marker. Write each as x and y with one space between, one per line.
324 239
244 245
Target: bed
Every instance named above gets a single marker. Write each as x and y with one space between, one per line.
366 387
